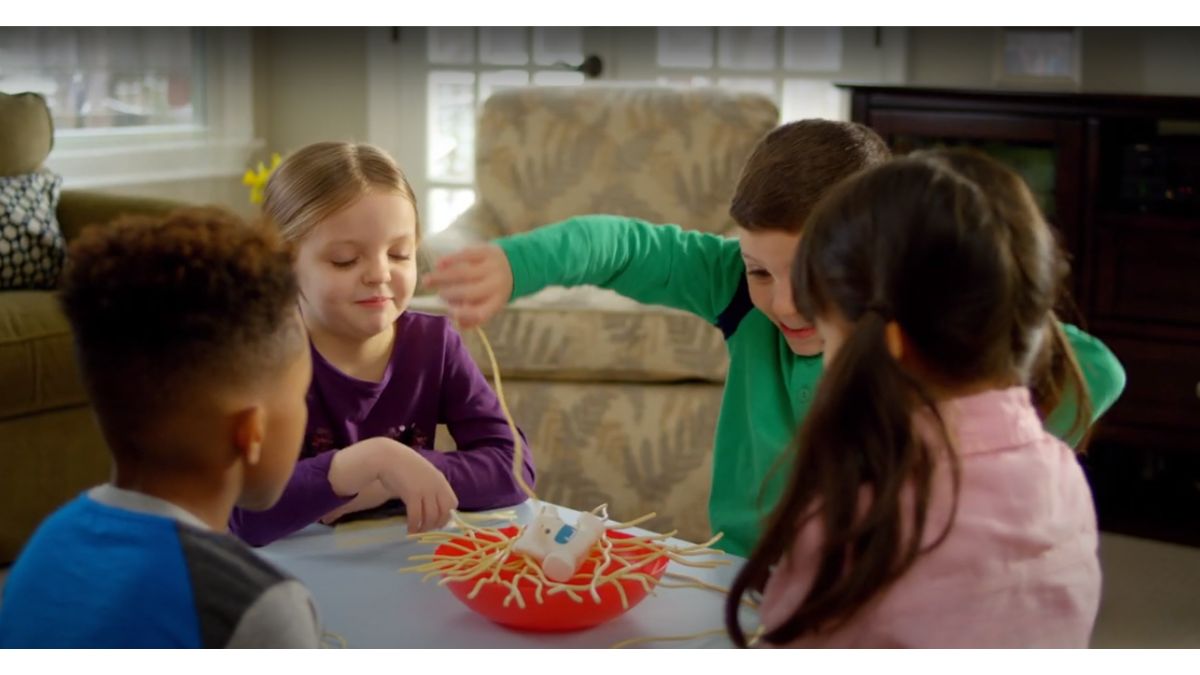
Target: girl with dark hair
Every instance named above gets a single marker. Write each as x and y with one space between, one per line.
927 505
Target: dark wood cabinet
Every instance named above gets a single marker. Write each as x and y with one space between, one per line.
1118 177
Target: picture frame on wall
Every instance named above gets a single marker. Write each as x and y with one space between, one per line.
1039 58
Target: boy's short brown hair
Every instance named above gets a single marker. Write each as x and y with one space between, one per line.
792 167
164 308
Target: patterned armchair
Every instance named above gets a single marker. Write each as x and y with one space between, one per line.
619 399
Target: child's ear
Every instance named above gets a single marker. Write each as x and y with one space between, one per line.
895 339
248 428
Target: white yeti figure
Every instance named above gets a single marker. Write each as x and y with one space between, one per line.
560 547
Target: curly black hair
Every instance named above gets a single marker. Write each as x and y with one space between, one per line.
162 305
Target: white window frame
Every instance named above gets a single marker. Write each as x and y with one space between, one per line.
220 145
398 69
869 56
395 59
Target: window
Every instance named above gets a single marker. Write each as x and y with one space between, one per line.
138 105
426 85
466 66
458 68
793 66
95 78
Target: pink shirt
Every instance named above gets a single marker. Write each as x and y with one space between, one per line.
1019 566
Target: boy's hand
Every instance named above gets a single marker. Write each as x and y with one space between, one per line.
476 283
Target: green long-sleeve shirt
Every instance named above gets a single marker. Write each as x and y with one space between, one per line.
769 388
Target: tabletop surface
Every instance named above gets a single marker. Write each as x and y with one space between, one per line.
362 598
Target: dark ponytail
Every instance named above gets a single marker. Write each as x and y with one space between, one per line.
856 449
962 263
1056 379
1041 273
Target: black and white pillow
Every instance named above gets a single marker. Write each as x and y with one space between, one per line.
32 248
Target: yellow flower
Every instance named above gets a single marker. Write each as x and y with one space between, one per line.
257 180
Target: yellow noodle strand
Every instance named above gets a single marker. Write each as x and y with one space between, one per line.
518 449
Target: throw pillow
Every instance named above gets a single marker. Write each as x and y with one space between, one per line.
32 248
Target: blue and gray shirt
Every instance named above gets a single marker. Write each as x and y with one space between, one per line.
116 568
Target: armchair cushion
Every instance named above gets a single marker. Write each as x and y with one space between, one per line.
589 334
26 133
37 361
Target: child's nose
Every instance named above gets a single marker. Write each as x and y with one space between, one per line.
783 303
378 272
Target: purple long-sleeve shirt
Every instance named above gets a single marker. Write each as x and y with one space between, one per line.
430 380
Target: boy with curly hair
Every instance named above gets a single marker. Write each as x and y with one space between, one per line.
196 361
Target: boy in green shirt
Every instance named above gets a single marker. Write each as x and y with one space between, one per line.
740 285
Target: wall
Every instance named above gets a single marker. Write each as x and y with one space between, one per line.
1119 60
311 86
226 191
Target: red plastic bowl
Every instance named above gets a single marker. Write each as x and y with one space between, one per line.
558 612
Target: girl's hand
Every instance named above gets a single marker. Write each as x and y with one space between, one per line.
428 497
476 283
402 473
368 498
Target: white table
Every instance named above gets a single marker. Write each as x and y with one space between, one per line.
362 598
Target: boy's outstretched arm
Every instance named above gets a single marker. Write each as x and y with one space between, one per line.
654 264
1103 375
